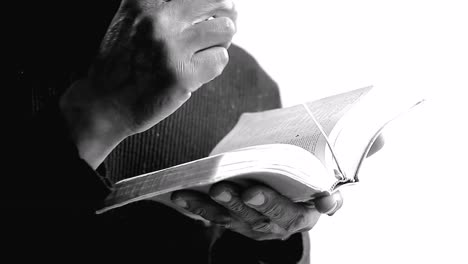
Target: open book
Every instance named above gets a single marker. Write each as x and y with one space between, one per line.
300 151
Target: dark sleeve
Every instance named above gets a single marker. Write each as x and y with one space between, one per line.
232 247
59 175
52 193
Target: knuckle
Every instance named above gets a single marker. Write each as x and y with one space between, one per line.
241 210
236 207
233 12
262 226
227 26
245 215
181 66
225 4
228 7
295 223
275 211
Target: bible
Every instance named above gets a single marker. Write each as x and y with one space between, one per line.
300 151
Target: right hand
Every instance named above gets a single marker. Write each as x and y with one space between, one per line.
257 211
153 56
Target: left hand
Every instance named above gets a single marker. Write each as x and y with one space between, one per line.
258 211
155 54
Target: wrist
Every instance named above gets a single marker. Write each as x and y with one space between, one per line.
94 130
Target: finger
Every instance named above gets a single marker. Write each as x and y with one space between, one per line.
201 205
329 204
208 64
270 227
201 10
215 32
227 195
279 209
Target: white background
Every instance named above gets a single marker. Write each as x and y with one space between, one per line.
411 206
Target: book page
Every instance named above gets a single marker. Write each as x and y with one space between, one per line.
286 168
291 125
357 131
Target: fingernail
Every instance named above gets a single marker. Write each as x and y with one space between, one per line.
223 197
332 210
339 204
257 200
181 203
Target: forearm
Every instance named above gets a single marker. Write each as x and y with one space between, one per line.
94 130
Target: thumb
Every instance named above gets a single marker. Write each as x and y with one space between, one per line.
329 204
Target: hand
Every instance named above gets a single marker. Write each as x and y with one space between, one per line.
257 212
153 56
